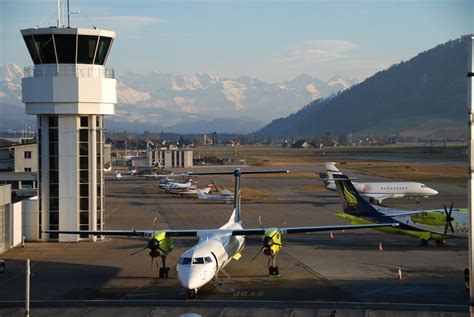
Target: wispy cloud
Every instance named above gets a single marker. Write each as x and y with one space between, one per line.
319 51
126 21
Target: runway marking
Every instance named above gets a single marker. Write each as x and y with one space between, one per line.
115 209
148 282
247 293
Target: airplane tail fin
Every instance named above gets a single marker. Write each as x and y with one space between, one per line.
352 201
236 212
331 170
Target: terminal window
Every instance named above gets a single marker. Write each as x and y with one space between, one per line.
27 154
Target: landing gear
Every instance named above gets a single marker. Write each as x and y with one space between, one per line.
164 270
272 267
192 294
424 242
273 271
441 242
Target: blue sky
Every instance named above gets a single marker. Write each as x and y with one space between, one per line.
269 40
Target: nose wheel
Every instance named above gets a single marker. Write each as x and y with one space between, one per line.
192 294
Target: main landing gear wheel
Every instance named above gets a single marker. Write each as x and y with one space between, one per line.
164 272
441 242
424 242
192 294
273 271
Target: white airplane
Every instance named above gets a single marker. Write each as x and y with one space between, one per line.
190 191
189 184
155 175
118 175
378 191
216 247
225 195
426 225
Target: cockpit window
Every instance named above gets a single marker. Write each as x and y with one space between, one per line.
423 186
185 261
208 259
198 260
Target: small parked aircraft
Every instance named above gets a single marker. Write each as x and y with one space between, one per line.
226 197
434 224
378 191
216 247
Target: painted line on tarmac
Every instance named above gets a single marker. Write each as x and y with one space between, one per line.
241 303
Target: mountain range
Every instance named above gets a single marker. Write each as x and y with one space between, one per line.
198 103
422 97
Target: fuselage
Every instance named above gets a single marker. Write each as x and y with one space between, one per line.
383 190
200 264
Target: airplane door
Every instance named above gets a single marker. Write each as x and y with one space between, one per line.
215 259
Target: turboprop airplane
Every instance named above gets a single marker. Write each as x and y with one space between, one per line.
434 224
216 247
378 191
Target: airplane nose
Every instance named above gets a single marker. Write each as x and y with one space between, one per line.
434 192
188 278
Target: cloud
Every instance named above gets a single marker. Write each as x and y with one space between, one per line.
126 21
319 51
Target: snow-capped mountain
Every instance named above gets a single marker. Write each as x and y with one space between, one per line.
161 101
10 83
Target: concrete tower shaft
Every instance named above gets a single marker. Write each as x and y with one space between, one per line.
69 90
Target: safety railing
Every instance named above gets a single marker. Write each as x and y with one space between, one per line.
68 71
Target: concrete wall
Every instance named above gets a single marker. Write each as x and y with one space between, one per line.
68 178
15 226
30 221
5 203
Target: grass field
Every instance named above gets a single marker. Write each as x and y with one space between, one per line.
454 170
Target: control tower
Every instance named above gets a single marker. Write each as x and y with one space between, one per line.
69 89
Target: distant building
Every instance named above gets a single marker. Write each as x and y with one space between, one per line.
170 158
298 144
20 166
107 155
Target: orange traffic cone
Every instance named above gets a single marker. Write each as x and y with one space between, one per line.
380 247
399 274
331 236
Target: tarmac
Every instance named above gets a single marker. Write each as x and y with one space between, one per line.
320 275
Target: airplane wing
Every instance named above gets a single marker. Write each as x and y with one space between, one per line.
237 232
129 233
291 230
408 213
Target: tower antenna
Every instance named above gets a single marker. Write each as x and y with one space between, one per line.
68 15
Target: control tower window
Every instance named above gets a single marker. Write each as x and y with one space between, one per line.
86 49
66 48
31 45
45 45
103 48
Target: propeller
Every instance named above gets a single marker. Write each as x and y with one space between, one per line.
267 243
449 219
152 244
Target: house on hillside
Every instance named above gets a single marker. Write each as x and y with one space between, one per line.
300 144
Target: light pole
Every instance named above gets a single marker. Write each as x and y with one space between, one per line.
470 107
